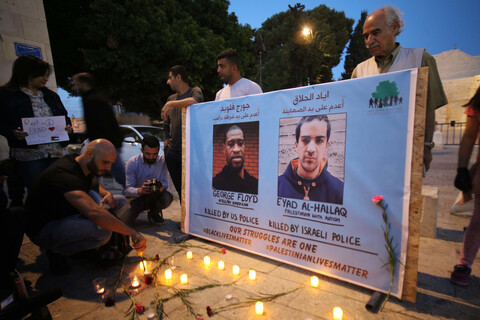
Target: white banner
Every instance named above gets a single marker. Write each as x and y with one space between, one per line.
291 175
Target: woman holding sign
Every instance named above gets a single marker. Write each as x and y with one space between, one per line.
25 96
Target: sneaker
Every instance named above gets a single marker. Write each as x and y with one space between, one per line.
58 264
461 275
461 207
155 217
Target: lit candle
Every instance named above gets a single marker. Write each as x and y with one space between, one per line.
135 281
236 270
337 313
221 265
314 281
206 260
168 274
259 308
189 255
99 285
252 274
183 278
145 266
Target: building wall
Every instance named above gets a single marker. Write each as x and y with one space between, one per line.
23 21
458 92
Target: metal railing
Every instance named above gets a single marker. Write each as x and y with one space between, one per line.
452 132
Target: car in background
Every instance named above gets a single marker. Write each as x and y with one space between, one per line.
77 139
132 140
133 136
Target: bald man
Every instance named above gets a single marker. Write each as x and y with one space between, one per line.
64 219
379 32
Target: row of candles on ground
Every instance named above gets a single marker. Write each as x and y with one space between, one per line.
145 266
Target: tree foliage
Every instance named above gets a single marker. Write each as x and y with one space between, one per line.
356 51
129 45
292 58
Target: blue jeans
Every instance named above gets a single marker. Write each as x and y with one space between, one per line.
118 169
76 233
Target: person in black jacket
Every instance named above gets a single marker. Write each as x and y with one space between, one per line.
24 96
100 119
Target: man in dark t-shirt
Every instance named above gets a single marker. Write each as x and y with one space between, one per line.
183 97
63 218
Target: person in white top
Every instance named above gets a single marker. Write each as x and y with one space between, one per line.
228 71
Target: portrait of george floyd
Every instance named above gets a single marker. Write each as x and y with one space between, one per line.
311 158
235 157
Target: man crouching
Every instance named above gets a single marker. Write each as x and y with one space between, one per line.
64 219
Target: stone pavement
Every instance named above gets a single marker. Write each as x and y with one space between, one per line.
437 298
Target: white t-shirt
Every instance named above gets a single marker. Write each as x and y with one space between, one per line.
242 87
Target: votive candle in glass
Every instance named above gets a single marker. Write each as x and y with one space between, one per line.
252 275
183 278
236 270
168 274
221 265
259 307
189 255
337 313
314 281
206 260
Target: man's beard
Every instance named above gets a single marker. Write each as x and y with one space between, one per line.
92 167
150 161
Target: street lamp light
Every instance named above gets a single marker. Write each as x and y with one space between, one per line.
307 31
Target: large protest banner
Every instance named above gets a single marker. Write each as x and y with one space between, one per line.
291 175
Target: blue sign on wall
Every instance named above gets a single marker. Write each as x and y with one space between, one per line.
23 49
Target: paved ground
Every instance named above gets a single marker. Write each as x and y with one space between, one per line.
437 298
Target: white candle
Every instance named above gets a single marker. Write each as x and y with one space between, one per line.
221 265
337 313
314 281
252 275
189 255
135 281
183 278
236 270
206 260
168 274
259 308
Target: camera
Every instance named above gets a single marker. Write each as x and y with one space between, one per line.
155 185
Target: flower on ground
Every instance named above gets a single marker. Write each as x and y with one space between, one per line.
200 318
224 251
139 308
377 200
157 257
209 311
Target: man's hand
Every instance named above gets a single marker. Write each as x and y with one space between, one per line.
139 243
19 134
166 110
108 200
463 181
69 129
145 189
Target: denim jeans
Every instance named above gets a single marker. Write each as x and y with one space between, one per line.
118 169
76 233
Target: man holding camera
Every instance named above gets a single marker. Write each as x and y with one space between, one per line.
147 183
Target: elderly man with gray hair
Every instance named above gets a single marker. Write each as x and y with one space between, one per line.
379 32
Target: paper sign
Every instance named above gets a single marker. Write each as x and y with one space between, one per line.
45 129
311 159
